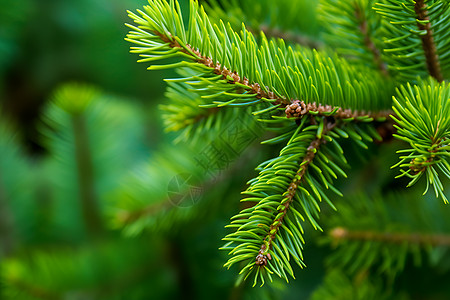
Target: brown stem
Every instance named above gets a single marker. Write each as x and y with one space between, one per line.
363 27
298 109
340 233
428 44
255 88
85 176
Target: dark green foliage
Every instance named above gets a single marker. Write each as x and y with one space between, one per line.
96 272
12 18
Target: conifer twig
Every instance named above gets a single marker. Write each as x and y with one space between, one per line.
86 176
340 233
263 254
255 88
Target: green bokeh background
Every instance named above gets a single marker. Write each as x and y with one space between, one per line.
47 253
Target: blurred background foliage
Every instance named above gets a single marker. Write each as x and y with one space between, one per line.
117 232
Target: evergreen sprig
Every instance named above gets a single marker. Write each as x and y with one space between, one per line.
311 99
270 232
240 72
287 192
423 118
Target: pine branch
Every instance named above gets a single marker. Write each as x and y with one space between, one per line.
232 70
416 38
422 117
337 285
353 28
286 192
297 109
263 254
340 234
88 199
428 44
195 119
74 100
363 26
391 231
241 73
275 19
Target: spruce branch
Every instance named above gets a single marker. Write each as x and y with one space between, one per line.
274 19
363 286
354 29
86 175
242 73
287 191
341 234
74 100
428 44
368 42
416 38
263 254
232 69
391 231
422 115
